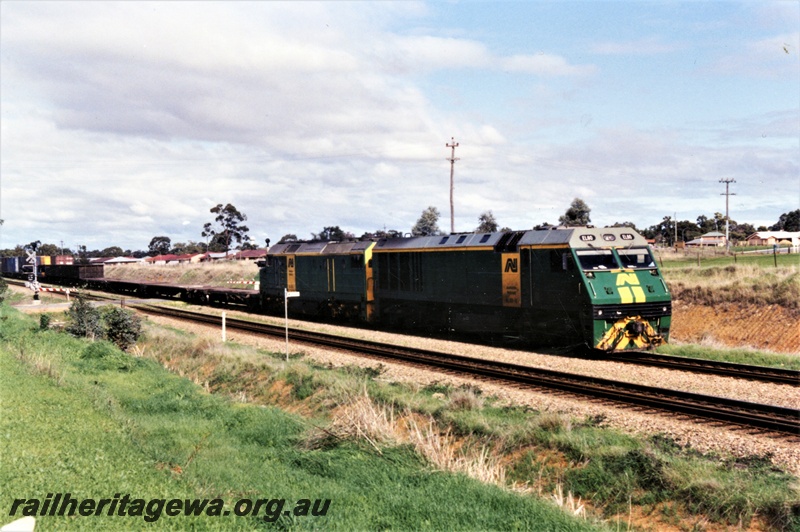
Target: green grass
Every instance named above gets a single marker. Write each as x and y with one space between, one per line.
689 260
751 282
736 356
92 421
134 427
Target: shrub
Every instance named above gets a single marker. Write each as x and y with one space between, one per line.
102 356
85 320
122 326
3 288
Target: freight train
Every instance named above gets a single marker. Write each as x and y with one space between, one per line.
92 276
578 286
599 288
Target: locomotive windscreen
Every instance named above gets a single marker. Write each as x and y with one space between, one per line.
600 259
636 258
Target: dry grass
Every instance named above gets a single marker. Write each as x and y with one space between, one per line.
363 420
465 399
445 452
568 503
744 284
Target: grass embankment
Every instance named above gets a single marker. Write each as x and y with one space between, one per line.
746 280
751 357
92 421
370 446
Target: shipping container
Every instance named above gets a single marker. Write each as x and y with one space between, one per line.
10 265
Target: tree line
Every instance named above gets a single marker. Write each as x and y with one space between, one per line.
227 232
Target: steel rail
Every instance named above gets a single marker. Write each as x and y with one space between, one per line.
769 417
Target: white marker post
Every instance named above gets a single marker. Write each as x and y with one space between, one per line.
286 296
223 326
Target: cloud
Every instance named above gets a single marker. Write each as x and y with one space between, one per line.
544 65
774 57
121 121
647 46
428 53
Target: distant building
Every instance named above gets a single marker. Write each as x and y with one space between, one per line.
210 256
772 238
171 260
250 254
123 260
712 239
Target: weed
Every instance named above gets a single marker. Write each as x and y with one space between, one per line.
554 422
465 399
568 502
302 381
368 372
359 420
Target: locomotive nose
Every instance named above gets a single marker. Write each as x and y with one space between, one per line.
635 328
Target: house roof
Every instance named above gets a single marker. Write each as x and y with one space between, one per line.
159 258
775 234
122 260
251 254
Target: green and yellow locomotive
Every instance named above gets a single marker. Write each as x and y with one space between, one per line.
565 286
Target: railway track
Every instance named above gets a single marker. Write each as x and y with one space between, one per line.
761 416
694 365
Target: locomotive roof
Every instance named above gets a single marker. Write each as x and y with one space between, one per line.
320 248
581 237
465 240
576 237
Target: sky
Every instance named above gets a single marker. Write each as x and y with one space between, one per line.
124 121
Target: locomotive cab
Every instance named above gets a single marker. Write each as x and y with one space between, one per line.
629 301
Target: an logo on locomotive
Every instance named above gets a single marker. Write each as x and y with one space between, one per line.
511 280
630 291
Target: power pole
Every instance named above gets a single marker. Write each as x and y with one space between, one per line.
727 195
453 145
